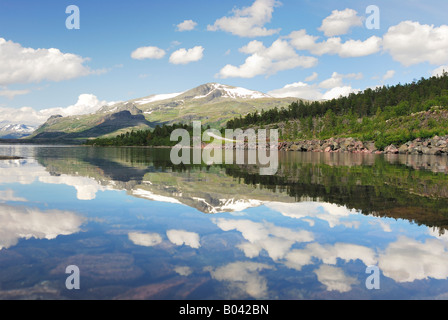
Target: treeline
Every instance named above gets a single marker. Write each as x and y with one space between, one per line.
385 115
160 136
393 101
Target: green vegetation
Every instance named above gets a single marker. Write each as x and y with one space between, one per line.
386 115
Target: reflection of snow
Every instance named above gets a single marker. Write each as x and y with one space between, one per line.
22 222
181 237
152 196
407 260
244 276
145 239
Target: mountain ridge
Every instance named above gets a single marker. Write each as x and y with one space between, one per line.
211 103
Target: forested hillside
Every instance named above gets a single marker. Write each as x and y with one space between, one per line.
386 115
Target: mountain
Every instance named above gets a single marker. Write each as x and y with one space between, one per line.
14 131
213 104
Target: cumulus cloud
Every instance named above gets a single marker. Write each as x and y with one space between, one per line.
336 80
407 260
86 104
182 237
277 241
185 56
145 239
412 43
298 90
333 214
26 223
28 65
245 277
183 271
329 254
267 61
148 53
187 25
334 46
340 22
439 71
389 74
249 21
334 279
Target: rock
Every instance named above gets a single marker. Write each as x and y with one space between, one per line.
404 149
392 149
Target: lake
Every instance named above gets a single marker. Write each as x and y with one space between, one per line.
138 227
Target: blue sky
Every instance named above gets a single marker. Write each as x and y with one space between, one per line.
303 48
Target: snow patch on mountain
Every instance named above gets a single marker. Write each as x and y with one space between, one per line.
158 97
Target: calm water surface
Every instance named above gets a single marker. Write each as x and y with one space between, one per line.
140 228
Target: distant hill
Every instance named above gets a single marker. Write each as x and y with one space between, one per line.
213 104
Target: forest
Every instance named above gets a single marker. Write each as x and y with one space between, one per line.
386 115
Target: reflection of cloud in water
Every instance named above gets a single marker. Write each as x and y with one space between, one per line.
334 279
181 237
86 188
277 241
328 212
407 260
20 171
28 171
145 239
8 195
183 271
244 276
22 222
329 254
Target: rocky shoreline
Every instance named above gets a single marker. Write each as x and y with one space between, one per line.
434 146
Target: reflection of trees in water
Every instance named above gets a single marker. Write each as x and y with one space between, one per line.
391 186
384 190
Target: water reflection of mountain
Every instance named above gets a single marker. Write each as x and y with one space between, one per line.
395 187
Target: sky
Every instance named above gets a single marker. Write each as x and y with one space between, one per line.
51 62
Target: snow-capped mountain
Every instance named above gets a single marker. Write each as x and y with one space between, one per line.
15 131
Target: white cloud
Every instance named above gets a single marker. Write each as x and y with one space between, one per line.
86 104
28 65
148 53
389 74
187 25
331 213
8 195
334 46
145 239
250 21
312 77
338 92
267 61
412 43
336 80
298 90
335 279
439 71
245 277
340 22
183 271
27 223
184 56
11 94
407 260
182 237
277 241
